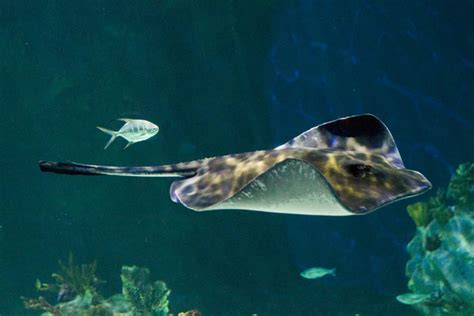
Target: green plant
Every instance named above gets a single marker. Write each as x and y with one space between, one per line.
147 298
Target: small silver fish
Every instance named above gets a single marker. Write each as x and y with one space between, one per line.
133 131
412 298
314 273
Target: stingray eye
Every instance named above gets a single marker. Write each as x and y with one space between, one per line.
359 170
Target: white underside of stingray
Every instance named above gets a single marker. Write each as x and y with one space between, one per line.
292 187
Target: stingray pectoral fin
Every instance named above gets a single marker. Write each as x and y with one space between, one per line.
292 186
360 133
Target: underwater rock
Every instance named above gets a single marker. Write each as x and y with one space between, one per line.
442 250
84 305
120 305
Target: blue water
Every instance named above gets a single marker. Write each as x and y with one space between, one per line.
220 77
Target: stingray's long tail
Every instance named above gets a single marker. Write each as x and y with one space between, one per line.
186 169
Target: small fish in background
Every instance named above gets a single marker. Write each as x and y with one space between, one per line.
412 298
314 273
133 131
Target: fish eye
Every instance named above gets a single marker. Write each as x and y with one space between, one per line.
359 170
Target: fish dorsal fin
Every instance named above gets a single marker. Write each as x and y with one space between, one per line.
362 133
126 120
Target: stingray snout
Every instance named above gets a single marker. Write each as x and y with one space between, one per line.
420 182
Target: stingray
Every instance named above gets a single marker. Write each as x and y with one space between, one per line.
349 166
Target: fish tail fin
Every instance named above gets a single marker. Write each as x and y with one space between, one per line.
333 271
112 133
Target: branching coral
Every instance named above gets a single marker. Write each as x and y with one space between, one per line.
75 285
80 279
72 280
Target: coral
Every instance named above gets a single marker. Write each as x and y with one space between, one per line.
78 279
140 296
99 310
420 214
146 298
72 280
461 187
439 208
80 305
40 303
442 250
432 242
193 312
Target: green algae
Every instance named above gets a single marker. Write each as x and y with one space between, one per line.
146 297
460 192
72 280
436 208
461 187
420 214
